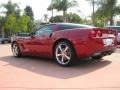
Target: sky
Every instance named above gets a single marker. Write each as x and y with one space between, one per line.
40 7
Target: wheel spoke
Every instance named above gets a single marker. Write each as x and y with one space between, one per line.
67 57
66 49
15 50
59 55
60 48
62 61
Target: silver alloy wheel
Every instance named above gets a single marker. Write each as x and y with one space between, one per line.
63 54
15 49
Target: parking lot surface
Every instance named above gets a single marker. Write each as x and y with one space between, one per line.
28 73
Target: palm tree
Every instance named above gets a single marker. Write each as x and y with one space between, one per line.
2 22
46 18
109 9
63 5
93 2
50 8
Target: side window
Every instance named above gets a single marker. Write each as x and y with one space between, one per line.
44 30
63 27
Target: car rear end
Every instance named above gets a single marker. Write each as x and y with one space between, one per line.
90 41
98 42
101 42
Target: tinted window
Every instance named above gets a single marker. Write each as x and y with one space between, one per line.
71 26
44 30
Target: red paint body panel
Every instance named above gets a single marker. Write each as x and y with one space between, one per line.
83 44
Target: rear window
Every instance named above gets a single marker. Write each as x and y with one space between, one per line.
71 26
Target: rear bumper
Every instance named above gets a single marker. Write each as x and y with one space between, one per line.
103 52
94 48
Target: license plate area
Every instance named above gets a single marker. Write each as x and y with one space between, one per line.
108 42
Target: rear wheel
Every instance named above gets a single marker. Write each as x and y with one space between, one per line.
64 54
15 50
97 57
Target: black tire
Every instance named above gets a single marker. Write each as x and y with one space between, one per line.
15 50
67 55
97 57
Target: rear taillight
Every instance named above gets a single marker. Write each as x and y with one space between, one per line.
96 33
99 32
93 33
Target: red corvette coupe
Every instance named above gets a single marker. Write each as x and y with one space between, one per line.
67 42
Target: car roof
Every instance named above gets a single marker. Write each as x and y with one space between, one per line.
84 25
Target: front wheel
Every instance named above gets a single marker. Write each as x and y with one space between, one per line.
64 54
15 50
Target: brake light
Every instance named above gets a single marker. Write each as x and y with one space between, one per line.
93 33
99 32
96 33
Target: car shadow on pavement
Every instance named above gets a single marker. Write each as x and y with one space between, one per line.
49 67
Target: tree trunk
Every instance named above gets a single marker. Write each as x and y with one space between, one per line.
52 16
111 20
93 17
52 13
64 16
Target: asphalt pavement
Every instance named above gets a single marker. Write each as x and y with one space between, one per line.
30 73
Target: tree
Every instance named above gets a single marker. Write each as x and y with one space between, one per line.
9 24
23 23
74 18
93 2
108 9
29 12
12 11
11 8
63 5
46 18
57 18
51 8
2 22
